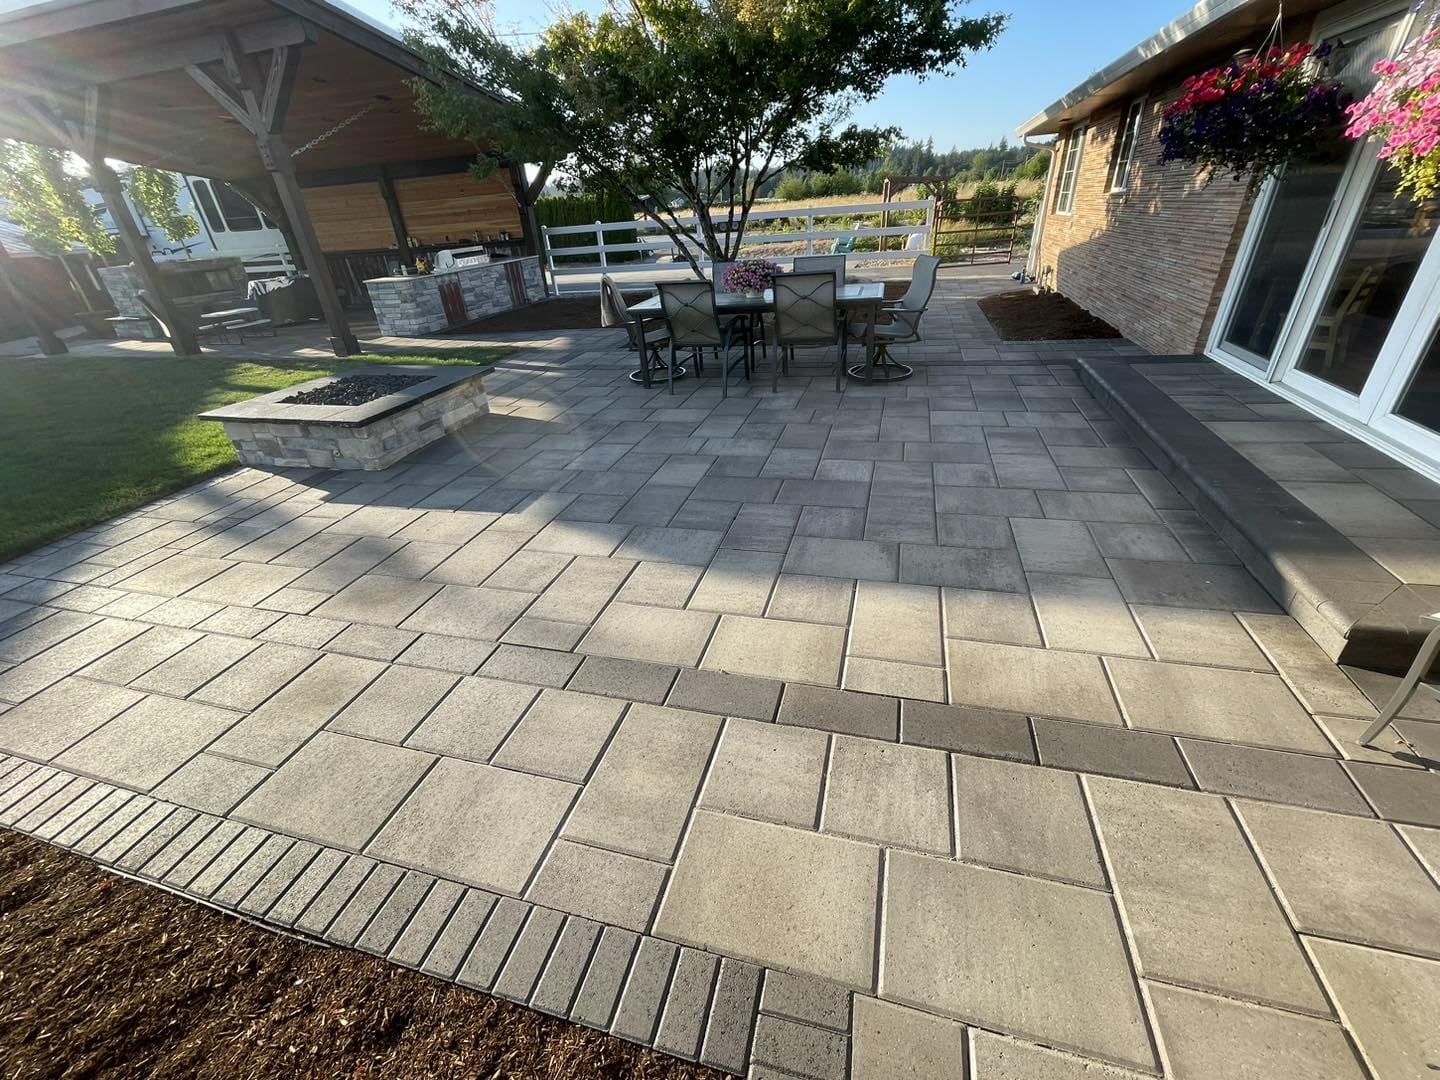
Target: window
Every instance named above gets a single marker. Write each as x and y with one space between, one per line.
1069 169
240 214
207 205
1129 138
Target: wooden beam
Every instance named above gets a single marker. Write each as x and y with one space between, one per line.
137 246
256 37
223 96
538 184
62 19
400 170
397 219
279 84
263 195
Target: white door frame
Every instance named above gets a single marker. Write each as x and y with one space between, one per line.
1368 416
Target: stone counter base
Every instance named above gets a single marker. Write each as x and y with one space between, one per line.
375 445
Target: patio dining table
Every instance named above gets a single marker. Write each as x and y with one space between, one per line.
866 296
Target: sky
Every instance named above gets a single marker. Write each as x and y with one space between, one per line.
1048 47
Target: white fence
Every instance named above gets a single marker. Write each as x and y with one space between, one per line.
654 244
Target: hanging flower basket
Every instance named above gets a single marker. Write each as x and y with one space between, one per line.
1404 111
1250 117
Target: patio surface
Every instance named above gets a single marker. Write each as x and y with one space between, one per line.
810 734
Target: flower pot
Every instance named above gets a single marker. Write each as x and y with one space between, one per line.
753 294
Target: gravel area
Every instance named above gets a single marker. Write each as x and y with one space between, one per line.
354 390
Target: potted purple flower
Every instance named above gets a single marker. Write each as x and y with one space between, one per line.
750 276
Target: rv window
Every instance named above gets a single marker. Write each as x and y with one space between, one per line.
240 215
207 205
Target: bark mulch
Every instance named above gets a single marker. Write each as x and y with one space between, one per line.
1025 315
101 976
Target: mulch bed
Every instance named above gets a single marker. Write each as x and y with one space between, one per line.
580 313
1025 315
102 976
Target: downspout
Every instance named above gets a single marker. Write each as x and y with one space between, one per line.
1031 269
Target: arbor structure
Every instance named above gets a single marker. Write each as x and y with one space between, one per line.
708 99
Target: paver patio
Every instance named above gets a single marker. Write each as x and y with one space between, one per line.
806 734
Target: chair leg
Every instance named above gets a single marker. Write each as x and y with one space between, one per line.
670 371
1429 649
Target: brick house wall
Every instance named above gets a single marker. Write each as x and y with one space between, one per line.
1152 260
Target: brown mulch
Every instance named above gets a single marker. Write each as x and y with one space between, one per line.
580 313
104 977
1025 315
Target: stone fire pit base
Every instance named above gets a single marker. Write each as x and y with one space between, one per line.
268 432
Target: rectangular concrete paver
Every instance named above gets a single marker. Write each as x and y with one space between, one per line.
767 771
638 799
146 743
474 718
560 981
1036 681
1197 905
682 1024
605 978
662 635
429 919
453 943
776 896
638 1011
732 1016
888 793
613 888
1036 958
891 1042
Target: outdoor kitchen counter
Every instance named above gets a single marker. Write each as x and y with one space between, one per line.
425 303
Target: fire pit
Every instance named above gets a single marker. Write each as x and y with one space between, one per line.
369 418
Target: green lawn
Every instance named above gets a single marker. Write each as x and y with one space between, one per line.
85 438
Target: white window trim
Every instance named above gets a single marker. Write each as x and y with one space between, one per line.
1070 170
1125 159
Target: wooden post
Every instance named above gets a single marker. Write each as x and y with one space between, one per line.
397 218
50 343
137 246
259 102
264 198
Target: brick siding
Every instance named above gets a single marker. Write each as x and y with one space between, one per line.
1153 260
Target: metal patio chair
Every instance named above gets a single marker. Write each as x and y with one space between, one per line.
814 264
904 326
690 318
614 312
805 317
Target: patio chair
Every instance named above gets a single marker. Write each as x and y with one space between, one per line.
197 328
745 323
690 318
614 312
903 328
805 317
814 264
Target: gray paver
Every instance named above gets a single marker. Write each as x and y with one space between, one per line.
196 665
61 716
682 1024
335 894
292 882
1188 635
1238 706
124 817
1395 1031
728 695
839 710
529 954
394 913
1004 617
812 1001
336 790
604 978
561 979
639 796
776 896
391 707
1399 794
890 793
644 994
521 663
426 924
1038 681
144 744
453 943
474 718
951 929
211 783
156 863
632 679
891 1042
633 632
1135 755
1344 877
493 944
868 560
732 1016
811 599
1273 775
203 854
1019 817
227 862
272 848
1198 907
968 730
480 613
1207 1036
475 823
613 888
800 1049
561 735
767 771
994 1057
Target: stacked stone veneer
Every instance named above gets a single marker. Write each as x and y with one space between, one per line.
376 444
408 306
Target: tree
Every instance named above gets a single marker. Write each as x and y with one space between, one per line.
707 98
47 200
156 193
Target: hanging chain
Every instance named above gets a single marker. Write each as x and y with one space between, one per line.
341 126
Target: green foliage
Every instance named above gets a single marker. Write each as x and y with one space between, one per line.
710 99
47 200
585 208
1033 169
157 194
